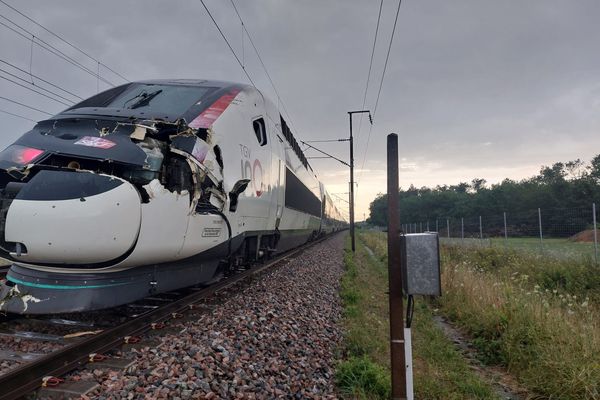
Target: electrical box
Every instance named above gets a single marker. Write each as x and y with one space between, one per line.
421 260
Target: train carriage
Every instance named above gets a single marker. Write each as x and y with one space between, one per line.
149 187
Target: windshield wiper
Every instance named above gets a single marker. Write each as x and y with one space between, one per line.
145 99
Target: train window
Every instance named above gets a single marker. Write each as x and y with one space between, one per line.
260 131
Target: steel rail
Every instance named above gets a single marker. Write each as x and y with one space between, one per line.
27 378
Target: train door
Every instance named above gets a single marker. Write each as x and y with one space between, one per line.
256 166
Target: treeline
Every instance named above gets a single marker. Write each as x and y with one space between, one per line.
573 184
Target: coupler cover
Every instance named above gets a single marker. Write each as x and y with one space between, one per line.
421 261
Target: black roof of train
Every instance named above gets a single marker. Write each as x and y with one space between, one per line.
91 118
93 107
193 82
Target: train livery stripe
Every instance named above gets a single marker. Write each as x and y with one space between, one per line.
208 116
50 286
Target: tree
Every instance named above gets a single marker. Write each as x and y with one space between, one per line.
563 185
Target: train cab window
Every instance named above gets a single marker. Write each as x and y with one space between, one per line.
260 131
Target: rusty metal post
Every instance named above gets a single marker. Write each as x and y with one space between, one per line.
395 274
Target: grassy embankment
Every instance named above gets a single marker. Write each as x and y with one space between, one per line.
537 316
440 371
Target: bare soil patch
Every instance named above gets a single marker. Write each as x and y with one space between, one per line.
586 236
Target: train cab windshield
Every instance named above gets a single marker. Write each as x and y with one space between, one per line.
149 98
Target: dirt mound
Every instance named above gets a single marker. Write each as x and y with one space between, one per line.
583 236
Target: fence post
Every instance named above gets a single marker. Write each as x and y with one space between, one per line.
541 235
480 229
505 230
595 233
448 227
462 229
421 226
427 225
437 228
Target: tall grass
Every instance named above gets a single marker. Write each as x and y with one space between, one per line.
579 278
537 316
364 372
549 341
440 371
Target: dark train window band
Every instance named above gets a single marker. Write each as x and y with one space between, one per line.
62 185
299 197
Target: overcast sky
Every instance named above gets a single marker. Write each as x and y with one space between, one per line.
488 89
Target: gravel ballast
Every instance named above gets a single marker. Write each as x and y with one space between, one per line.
275 336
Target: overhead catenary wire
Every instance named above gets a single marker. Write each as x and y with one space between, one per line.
387 57
25 105
228 44
280 99
17 115
29 36
41 79
64 40
370 69
34 85
36 91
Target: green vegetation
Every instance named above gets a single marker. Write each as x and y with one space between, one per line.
365 372
550 275
563 185
548 338
440 371
537 316
555 247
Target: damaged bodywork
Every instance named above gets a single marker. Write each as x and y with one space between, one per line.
81 152
114 183
150 187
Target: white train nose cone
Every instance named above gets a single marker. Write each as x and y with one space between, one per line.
65 217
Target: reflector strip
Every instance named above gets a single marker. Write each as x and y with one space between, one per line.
208 116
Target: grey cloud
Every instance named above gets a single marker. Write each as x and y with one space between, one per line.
523 76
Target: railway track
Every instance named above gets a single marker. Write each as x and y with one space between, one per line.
98 334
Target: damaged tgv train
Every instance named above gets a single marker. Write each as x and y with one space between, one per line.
149 187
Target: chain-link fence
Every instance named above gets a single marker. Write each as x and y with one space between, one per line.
561 232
